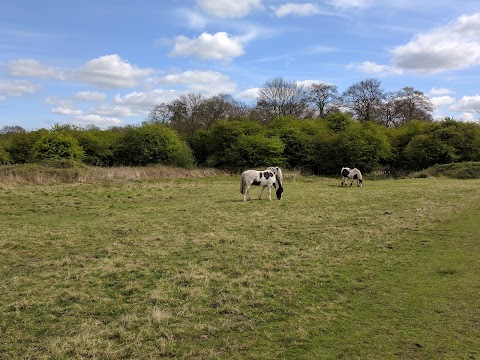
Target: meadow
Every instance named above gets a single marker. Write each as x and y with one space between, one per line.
145 268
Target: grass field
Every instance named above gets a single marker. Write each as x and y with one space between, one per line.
182 268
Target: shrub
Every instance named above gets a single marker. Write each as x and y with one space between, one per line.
464 170
57 146
98 146
4 156
20 146
153 144
426 150
224 135
252 151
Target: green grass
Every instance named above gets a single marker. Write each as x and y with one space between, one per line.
182 268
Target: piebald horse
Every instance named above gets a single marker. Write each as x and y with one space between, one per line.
266 178
353 174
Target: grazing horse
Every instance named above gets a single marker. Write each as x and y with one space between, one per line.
266 178
353 174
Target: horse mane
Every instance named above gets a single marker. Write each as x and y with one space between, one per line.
278 173
279 176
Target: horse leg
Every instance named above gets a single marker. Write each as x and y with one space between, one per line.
261 191
270 193
246 193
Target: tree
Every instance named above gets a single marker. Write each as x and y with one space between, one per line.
221 107
12 129
388 115
411 104
186 111
192 112
279 97
322 96
365 99
161 114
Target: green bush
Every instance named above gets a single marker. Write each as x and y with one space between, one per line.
464 170
20 146
426 150
153 144
200 144
57 146
98 146
255 151
223 135
4 155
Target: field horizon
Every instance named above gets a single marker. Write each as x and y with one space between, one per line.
181 267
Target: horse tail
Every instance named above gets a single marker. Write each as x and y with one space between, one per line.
242 184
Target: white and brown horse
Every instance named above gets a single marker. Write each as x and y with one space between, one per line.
353 174
266 179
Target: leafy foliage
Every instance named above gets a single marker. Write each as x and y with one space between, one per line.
57 145
317 146
153 144
4 155
464 170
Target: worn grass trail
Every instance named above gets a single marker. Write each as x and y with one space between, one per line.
183 268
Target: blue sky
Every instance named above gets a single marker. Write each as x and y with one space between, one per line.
108 62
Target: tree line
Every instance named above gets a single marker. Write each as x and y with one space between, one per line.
312 128
363 101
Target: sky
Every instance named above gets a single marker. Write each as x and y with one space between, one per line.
109 62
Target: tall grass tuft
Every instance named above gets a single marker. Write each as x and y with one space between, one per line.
463 170
50 174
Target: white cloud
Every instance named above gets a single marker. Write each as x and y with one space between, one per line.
351 3
369 67
89 96
206 82
112 72
194 20
297 9
138 103
441 91
33 68
440 101
220 46
100 121
468 117
17 88
115 111
467 104
452 47
250 94
66 111
229 8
